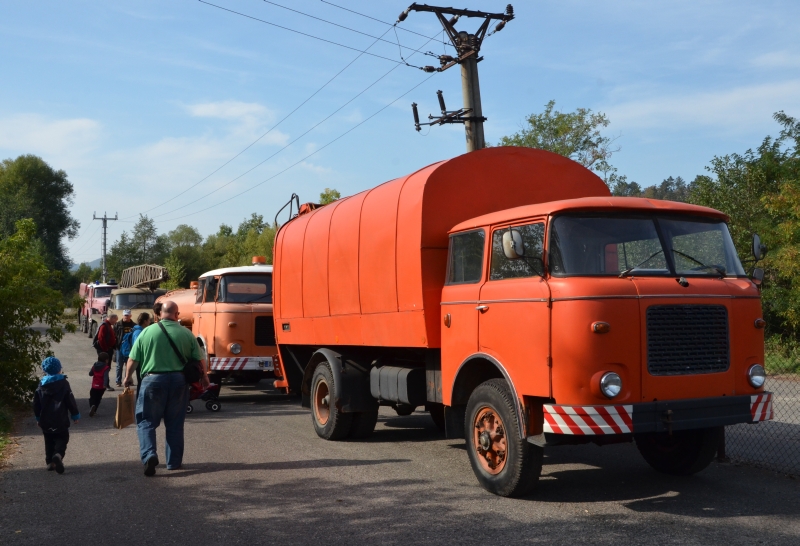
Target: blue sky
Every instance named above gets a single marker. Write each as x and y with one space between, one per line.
140 101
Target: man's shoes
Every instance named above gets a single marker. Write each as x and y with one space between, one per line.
119 384
58 463
92 411
150 466
51 466
110 388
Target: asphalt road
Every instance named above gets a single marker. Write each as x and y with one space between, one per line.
257 473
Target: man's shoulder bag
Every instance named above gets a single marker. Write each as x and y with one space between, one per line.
192 369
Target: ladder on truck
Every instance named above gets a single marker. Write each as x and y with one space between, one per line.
144 276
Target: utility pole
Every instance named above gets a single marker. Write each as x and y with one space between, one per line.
468 47
105 218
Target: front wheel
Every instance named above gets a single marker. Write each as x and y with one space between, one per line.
504 463
682 453
329 421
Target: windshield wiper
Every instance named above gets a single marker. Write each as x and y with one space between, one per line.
627 271
719 270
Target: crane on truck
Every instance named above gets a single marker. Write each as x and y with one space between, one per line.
510 295
138 290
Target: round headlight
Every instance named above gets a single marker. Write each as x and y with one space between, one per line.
235 348
756 375
610 384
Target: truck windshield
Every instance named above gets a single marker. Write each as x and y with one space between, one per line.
246 288
642 245
102 292
133 301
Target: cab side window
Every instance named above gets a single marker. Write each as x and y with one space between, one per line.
211 290
198 298
465 262
529 265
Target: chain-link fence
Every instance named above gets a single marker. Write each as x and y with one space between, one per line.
773 444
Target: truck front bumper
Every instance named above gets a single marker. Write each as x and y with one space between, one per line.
247 363
663 416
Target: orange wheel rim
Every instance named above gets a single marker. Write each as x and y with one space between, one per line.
322 410
489 440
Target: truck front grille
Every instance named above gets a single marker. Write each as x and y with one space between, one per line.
687 339
265 332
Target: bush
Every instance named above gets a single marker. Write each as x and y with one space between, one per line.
782 356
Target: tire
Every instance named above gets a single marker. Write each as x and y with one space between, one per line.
189 408
213 405
363 424
504 463
404 410
329 422
437 415
92 329
683 453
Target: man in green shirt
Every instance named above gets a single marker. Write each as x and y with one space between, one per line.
163 392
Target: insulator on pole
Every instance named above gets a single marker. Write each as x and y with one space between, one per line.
510 10
499 27
416 115
453 19
441 101
402 16
429 68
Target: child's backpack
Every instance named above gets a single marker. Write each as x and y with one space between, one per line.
127 344
96 339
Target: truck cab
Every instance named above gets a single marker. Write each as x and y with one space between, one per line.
232 320
137 300
97 298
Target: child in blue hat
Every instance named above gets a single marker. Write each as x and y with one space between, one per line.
53 404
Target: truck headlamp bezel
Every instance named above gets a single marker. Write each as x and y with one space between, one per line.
235 348
611 384
756 376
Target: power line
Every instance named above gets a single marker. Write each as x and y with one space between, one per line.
306 157
290 143
340 26
375 19
82 234
287 116
329 116
307 35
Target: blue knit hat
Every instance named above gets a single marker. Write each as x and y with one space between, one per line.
51 365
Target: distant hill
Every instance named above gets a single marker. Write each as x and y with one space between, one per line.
94 264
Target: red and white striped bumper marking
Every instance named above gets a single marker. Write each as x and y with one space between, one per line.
243 363
588 420
761 407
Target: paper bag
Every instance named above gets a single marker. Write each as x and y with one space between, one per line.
126 409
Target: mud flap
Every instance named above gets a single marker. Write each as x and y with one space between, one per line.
454 422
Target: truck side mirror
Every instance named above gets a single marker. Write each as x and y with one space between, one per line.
512 244
758 276
759 248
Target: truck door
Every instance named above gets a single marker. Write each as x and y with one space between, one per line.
459 301
207 314
514 321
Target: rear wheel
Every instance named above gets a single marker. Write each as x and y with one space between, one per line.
363 424
329 421
92 329
681 453
504 463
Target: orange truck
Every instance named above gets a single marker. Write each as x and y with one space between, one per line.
230 313
522 305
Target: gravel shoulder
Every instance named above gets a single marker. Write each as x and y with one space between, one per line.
257 473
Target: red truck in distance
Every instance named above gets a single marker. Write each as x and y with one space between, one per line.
97 298
510 295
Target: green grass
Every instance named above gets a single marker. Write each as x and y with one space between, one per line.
782 356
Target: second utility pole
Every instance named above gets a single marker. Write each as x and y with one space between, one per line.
105 220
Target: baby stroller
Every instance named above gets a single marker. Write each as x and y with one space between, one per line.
210 395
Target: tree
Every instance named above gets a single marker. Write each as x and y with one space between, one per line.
186 247
26 296
30 188
329 195
671 189
144 245
576 135
177 273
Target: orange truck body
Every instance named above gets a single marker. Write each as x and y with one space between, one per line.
230 313
366 283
